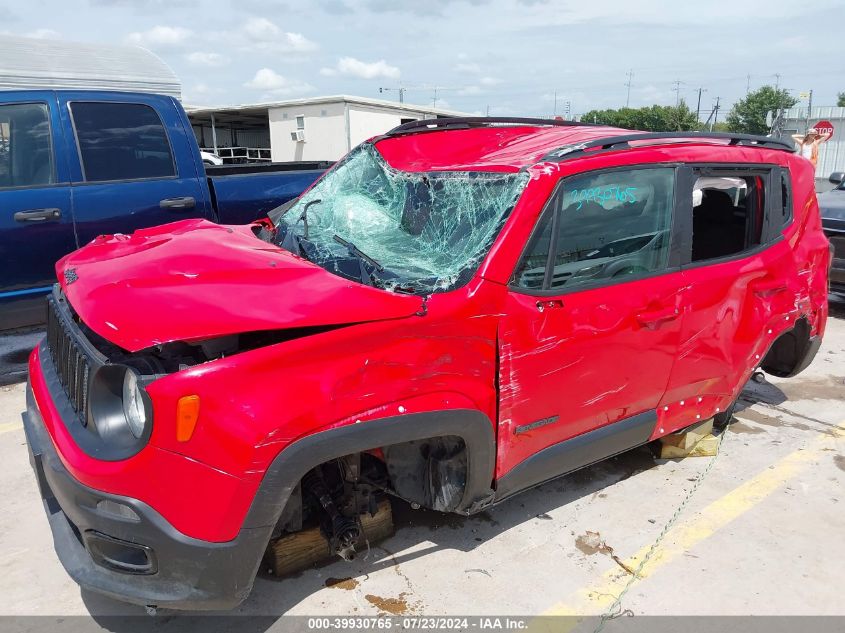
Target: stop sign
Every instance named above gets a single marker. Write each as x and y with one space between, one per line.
824 127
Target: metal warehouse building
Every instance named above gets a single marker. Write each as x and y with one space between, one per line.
28 63
831 153
320 128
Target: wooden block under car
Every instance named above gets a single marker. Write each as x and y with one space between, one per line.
304 549
694 441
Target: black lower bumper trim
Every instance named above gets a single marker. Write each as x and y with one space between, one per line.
175 571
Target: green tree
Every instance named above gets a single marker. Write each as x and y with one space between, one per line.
748 115
840 101
653 118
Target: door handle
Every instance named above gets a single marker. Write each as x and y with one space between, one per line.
548 304
652 318
38 215
186 202
768 286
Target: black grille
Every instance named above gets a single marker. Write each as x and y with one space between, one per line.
72 365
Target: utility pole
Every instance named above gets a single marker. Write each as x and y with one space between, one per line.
698 107
488 110
777 81
400 90
715 113
554 109
677 90
748 84
628 84
809 109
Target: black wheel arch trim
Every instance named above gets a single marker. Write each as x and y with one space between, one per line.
291 464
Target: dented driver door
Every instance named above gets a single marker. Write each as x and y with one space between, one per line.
590 333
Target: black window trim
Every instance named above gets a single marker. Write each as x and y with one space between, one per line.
675 235
85 180
769 235
53 162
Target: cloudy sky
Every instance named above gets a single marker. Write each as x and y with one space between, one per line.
510 56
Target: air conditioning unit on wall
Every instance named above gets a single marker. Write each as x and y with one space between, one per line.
298 136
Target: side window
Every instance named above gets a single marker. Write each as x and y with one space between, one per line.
121 141
727 214
786 196
610 225
531 271
26 155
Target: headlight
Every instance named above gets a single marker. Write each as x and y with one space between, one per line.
120 413
133 404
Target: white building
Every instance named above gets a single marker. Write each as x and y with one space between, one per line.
316 129
39 64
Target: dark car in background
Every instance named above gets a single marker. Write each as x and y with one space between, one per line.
832 206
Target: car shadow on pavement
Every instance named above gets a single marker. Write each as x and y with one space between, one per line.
272 598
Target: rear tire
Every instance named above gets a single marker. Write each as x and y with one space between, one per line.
723 418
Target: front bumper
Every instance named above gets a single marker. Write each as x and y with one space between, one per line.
128 551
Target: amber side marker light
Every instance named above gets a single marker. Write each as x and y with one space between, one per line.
187 412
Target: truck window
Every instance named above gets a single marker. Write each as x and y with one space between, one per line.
610 225
26 155
727 215
121 141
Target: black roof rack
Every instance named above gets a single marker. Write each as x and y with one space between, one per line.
462 123
613 143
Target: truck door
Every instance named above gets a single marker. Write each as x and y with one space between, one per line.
36 222
592 320
135 167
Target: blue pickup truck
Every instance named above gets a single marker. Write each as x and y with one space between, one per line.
77 164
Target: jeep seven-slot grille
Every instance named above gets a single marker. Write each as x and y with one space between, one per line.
70 361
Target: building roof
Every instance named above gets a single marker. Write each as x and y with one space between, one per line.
29 63
365 101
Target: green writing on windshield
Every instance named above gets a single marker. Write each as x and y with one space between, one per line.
600 195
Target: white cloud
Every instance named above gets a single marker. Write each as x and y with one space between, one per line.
43 34
364 70
489 81
199 58
470 91
468 68
272 82
161 36
266 35
328 72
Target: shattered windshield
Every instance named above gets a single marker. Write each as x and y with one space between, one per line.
402 231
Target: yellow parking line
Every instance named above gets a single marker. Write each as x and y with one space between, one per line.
685 535
8 427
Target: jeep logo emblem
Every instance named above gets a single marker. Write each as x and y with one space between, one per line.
70 275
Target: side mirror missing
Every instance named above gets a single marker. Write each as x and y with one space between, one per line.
837 177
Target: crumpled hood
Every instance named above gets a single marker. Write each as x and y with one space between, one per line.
193 279
832 204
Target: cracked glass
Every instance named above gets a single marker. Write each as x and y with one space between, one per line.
402 231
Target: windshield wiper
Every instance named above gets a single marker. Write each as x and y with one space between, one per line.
304 215
366 276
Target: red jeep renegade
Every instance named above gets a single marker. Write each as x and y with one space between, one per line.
459 310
